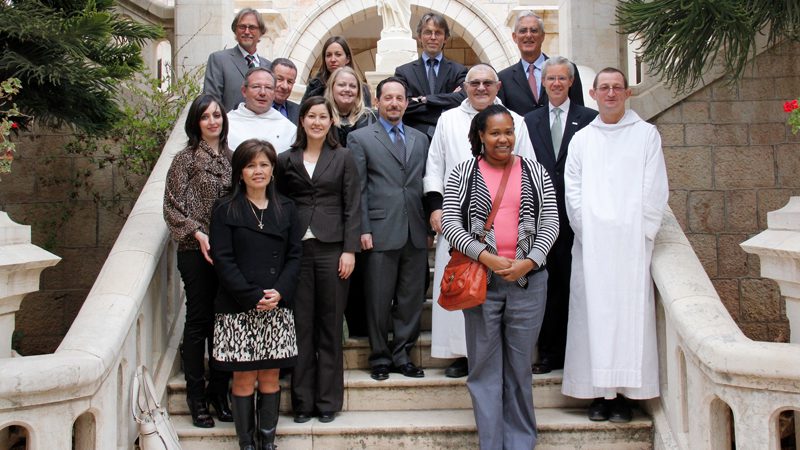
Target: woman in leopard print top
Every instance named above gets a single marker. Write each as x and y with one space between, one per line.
198 176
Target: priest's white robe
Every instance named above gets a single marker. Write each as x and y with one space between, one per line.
271 126
450 146
616 192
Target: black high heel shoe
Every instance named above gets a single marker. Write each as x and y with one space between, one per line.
220 404
201 417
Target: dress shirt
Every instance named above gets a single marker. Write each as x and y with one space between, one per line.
438 57
537 71
564 107
388 127
256 61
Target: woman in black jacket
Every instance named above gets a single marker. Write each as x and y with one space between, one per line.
322 179
335 54
255 246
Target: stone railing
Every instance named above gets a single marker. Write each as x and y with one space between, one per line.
78 397
717 386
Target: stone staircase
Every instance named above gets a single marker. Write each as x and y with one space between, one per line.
433 412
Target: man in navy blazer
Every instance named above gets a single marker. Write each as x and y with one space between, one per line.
226 69
285 75
390 158
546 126
517 93
431 94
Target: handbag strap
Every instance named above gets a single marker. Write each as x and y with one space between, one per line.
499 197
142 386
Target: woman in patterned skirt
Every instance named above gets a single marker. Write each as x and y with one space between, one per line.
255 246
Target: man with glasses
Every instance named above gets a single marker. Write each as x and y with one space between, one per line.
256 118
616 191
226 69
449 147
434 81
551 129
522 82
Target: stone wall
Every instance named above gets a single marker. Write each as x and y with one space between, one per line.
44 191
732 159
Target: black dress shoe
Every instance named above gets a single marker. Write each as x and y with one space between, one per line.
410 370
620 411
543 366
327 417
220 404
380 373
459 368
301 417
201 417
599 410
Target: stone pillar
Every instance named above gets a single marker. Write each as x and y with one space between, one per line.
778 247
20 265
586 35
201 27
395 48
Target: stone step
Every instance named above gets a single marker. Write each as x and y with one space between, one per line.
434 391
434 430
356 353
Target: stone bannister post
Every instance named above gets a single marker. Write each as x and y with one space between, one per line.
21 263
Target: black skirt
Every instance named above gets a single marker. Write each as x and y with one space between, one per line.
254 340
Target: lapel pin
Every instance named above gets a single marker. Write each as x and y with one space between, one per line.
574 123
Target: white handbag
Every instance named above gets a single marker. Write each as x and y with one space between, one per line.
155 429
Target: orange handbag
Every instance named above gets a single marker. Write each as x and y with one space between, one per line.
464 279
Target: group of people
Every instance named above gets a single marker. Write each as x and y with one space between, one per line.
291 218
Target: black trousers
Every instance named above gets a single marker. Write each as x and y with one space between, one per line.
318 376
356 310
553 336
200 283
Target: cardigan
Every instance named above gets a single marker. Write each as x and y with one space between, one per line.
248 259
467 203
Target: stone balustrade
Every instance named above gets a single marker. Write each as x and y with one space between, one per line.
78 397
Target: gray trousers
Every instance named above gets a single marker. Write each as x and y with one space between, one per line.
501 334
394 288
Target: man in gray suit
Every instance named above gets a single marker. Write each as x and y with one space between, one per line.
391 163
226 69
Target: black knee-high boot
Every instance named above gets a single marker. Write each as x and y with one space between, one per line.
268 410
244 419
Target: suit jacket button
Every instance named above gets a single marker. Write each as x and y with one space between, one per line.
272 271
275 254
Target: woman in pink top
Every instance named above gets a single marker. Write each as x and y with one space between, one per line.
501 333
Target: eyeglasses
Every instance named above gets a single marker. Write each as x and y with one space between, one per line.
251 28
431 33
604 89
260 87
528 30
478 83
552 78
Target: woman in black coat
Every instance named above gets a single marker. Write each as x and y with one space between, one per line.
335 54
322 179
255 246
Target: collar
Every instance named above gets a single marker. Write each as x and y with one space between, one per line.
564 107
438 57
537 63
388 126
245 53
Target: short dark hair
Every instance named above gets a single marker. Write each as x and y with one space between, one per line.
437 19
610 70
253 70
192 125
301 141
478 126
245 11
283 62
392 80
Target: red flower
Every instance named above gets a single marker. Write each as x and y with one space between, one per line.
15 125
790 106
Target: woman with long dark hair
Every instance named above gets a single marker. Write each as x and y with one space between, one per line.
199 174
335 54
321 177
255 245
502 332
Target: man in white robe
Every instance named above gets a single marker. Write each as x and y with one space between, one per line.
256 118
616 192
450 146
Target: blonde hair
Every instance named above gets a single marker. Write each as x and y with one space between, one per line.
359 109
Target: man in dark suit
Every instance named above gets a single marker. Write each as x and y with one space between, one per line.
285 75
556 124
226 69
433 80
390 158
522 81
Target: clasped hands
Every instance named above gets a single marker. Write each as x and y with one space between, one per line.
507 268
270 300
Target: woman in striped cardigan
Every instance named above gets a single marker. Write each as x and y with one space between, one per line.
501 332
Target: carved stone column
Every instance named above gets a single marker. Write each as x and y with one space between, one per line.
396 45
21 263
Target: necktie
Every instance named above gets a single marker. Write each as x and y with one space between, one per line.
432 74
281 109
555 131
532 83
399 143
251 61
